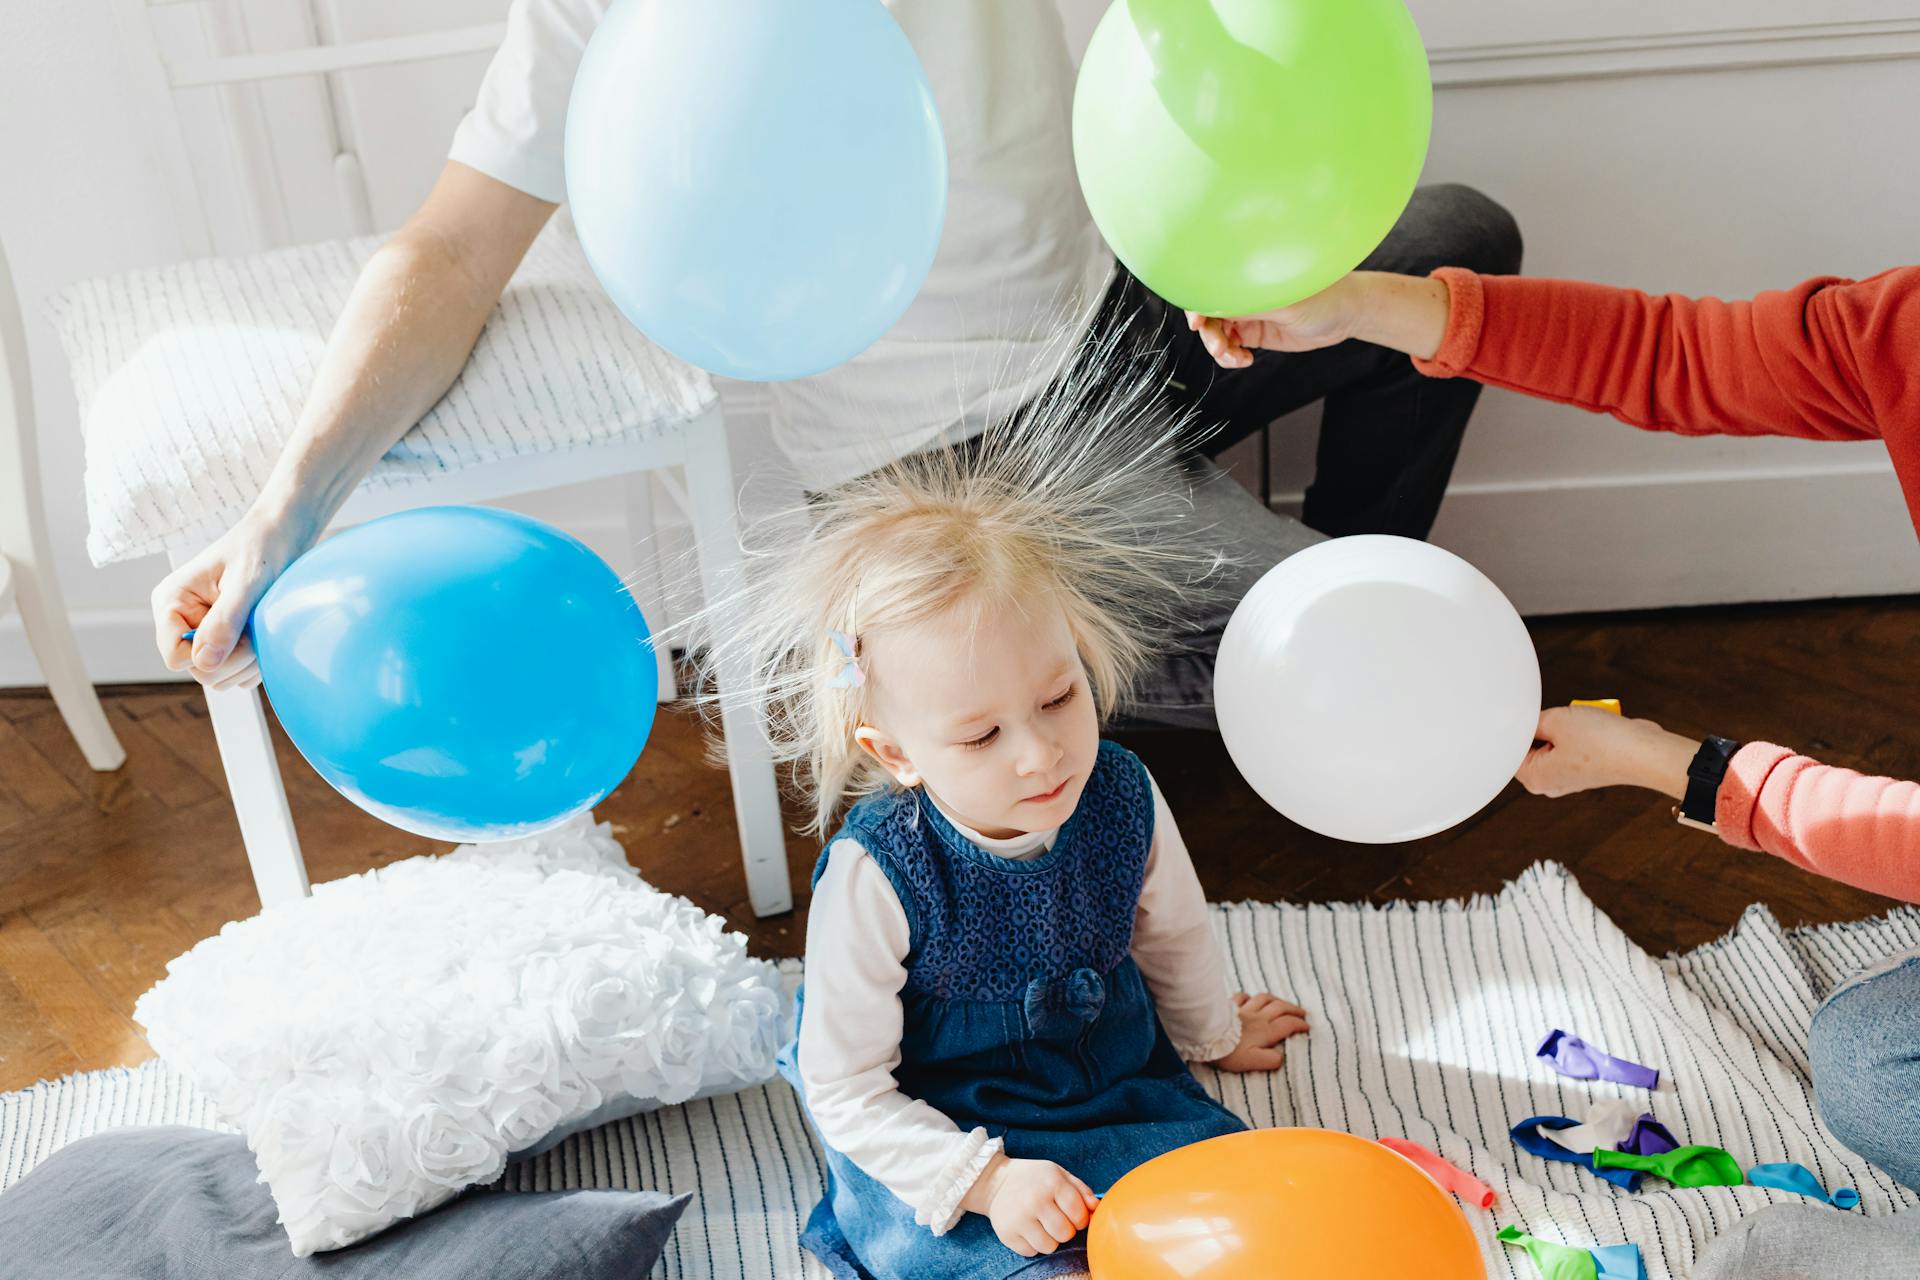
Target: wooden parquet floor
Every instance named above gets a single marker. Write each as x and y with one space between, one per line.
104 878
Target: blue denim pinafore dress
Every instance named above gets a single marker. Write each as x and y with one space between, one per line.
1024 1014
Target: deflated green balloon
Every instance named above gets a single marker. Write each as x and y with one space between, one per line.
1695 1166
1240 155
1556 1261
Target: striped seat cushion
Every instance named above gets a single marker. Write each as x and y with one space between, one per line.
190 378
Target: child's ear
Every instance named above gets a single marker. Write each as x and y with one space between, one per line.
888 753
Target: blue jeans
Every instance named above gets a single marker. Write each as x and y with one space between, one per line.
1865 1047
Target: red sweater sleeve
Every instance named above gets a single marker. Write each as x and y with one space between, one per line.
1828 359
1837 823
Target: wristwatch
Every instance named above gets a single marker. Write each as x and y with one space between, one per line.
1704 776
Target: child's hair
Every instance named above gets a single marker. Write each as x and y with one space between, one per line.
1081 500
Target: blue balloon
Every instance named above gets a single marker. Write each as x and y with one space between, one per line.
758 184
460 672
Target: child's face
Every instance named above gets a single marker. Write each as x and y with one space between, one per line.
995 718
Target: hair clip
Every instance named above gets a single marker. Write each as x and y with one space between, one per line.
851 676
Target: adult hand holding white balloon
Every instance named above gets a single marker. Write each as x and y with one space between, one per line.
1376 689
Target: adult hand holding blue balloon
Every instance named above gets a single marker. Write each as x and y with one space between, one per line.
460 672
758 184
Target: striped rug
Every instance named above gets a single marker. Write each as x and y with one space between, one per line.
1425 1017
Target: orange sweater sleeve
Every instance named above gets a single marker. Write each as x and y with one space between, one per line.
1834 822
1827 359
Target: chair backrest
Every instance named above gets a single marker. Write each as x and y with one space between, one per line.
277 108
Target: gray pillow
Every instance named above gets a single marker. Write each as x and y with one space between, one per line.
166 1202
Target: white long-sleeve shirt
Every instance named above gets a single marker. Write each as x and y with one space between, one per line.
851 1023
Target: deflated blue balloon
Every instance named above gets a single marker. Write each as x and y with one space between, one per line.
758 184
460 672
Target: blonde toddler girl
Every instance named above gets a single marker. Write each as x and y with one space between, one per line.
1009 958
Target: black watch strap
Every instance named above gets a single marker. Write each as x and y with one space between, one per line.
1704 775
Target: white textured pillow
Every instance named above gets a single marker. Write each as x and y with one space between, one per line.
190 378
391 1039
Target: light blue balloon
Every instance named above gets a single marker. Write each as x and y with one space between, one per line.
758 184
460 672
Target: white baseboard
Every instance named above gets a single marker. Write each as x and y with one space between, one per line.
116 646
1686 540
1553 546
1656 542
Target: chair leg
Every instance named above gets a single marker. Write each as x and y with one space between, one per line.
644 581
25 551
259 796
51 638
756 794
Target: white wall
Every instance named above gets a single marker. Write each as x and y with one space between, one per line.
1723 146
1723 175
81 193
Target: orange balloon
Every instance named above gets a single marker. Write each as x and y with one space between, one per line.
1302 1203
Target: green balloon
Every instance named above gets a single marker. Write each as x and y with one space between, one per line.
1240 155
1556 1261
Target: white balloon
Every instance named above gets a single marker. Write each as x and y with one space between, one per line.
1376 689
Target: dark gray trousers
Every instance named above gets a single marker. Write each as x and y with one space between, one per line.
1388 435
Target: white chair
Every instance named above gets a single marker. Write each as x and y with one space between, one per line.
700 447
26 563
433 464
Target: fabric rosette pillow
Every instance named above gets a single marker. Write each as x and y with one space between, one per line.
398 1035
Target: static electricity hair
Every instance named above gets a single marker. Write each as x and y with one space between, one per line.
1080 501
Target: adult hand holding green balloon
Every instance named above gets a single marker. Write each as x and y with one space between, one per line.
1241 155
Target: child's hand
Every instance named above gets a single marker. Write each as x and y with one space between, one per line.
1264 1022
1035 1205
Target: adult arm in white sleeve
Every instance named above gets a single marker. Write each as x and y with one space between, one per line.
1174 945
850 1030
516 131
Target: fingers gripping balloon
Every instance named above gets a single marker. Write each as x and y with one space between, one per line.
462 673
1240 155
